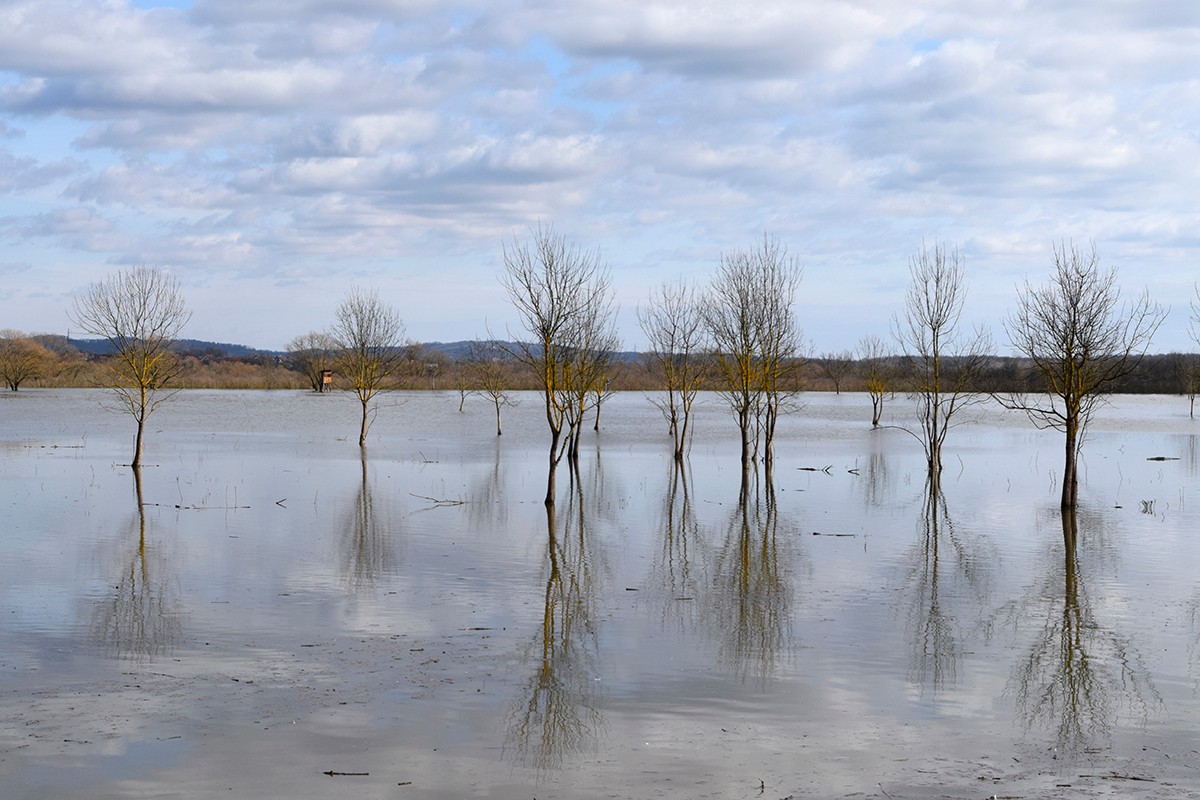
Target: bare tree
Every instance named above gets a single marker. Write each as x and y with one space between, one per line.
836 367
590 364
422 366
1189 376
876 374
22 359
757 344
486 369
369 337
1189 363
605 385
563 296
674 325
1081 339
942 361
139 311
313 353
464 377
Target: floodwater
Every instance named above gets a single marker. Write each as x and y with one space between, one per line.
272 613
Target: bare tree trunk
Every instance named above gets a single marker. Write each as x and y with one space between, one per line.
680 437
744 424
140 415
137 445
498 431
555 436
576 435
362 435
935 467
772 418
1070 487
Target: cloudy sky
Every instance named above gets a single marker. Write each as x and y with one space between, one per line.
273 153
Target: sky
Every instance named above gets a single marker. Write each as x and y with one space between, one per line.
272 155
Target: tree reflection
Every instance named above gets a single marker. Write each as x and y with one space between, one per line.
1192 449
556 713
1078 676
878 485
754 598
675 568
367 551
941 559
487 506
141 620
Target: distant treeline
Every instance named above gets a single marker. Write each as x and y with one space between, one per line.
214 365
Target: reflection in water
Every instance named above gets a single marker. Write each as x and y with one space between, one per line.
367 551
753 603
941 558
675 568
878 485
557 715
1078 675
141 619
1191 452
487 506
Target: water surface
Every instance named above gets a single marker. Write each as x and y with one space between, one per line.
273 604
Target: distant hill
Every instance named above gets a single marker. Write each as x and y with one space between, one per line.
462 350
456 351
194 346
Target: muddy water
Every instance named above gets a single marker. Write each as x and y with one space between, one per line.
269 606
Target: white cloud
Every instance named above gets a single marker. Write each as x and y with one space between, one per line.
270 138
714 38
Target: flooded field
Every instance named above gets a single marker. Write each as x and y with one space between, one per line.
272 612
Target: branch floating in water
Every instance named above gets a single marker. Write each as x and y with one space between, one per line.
439 502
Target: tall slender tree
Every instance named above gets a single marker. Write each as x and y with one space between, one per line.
563 297
942 361
486 371
756 340
876 373
674 325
